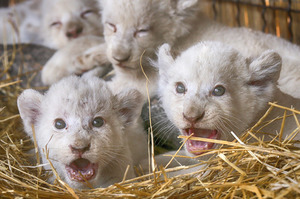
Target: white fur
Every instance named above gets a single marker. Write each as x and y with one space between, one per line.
250 84
61 17
75 58
181 24
119 142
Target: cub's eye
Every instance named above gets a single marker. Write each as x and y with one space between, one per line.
56 24
141 32
59 124
98 122
86 13
219 90
180 88
111 26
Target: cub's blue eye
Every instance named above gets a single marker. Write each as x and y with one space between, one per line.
180 88
60 124
219 90
98 122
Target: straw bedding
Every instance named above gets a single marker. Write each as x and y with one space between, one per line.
239 169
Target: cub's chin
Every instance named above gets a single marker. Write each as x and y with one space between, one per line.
199 147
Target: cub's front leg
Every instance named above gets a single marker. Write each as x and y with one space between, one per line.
75 58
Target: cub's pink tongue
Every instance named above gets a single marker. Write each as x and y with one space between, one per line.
196 147
81 170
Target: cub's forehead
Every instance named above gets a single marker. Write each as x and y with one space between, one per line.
127 12
210 60
125 5
77 93
65 6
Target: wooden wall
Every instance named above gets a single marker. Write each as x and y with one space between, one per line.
6 3
279 17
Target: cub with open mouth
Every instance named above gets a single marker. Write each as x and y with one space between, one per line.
86 130
211 89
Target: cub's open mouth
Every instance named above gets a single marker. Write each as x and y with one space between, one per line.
196 147
81 169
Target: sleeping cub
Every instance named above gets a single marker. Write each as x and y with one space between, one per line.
65 20
211 89
52 23
75 29
88 131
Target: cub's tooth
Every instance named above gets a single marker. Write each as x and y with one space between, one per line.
89 172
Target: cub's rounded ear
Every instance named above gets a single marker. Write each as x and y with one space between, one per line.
182 6
266 68
129 105
29 105
164 57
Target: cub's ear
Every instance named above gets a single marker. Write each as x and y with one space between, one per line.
265 69
29 105
164 57
129 105
183 5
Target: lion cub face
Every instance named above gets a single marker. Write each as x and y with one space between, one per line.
65 20
211 89
132 27
81 123
129 30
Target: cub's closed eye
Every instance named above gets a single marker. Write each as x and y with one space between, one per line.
219 90
86 13
180 88
111 26
59 124
141 32
97 122
56 24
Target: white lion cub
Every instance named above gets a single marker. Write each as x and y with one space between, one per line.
52 23
134 29
73 27
91 134
130 32
65 20
212 89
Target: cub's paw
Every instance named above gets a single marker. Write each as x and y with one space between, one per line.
83 63
90 58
